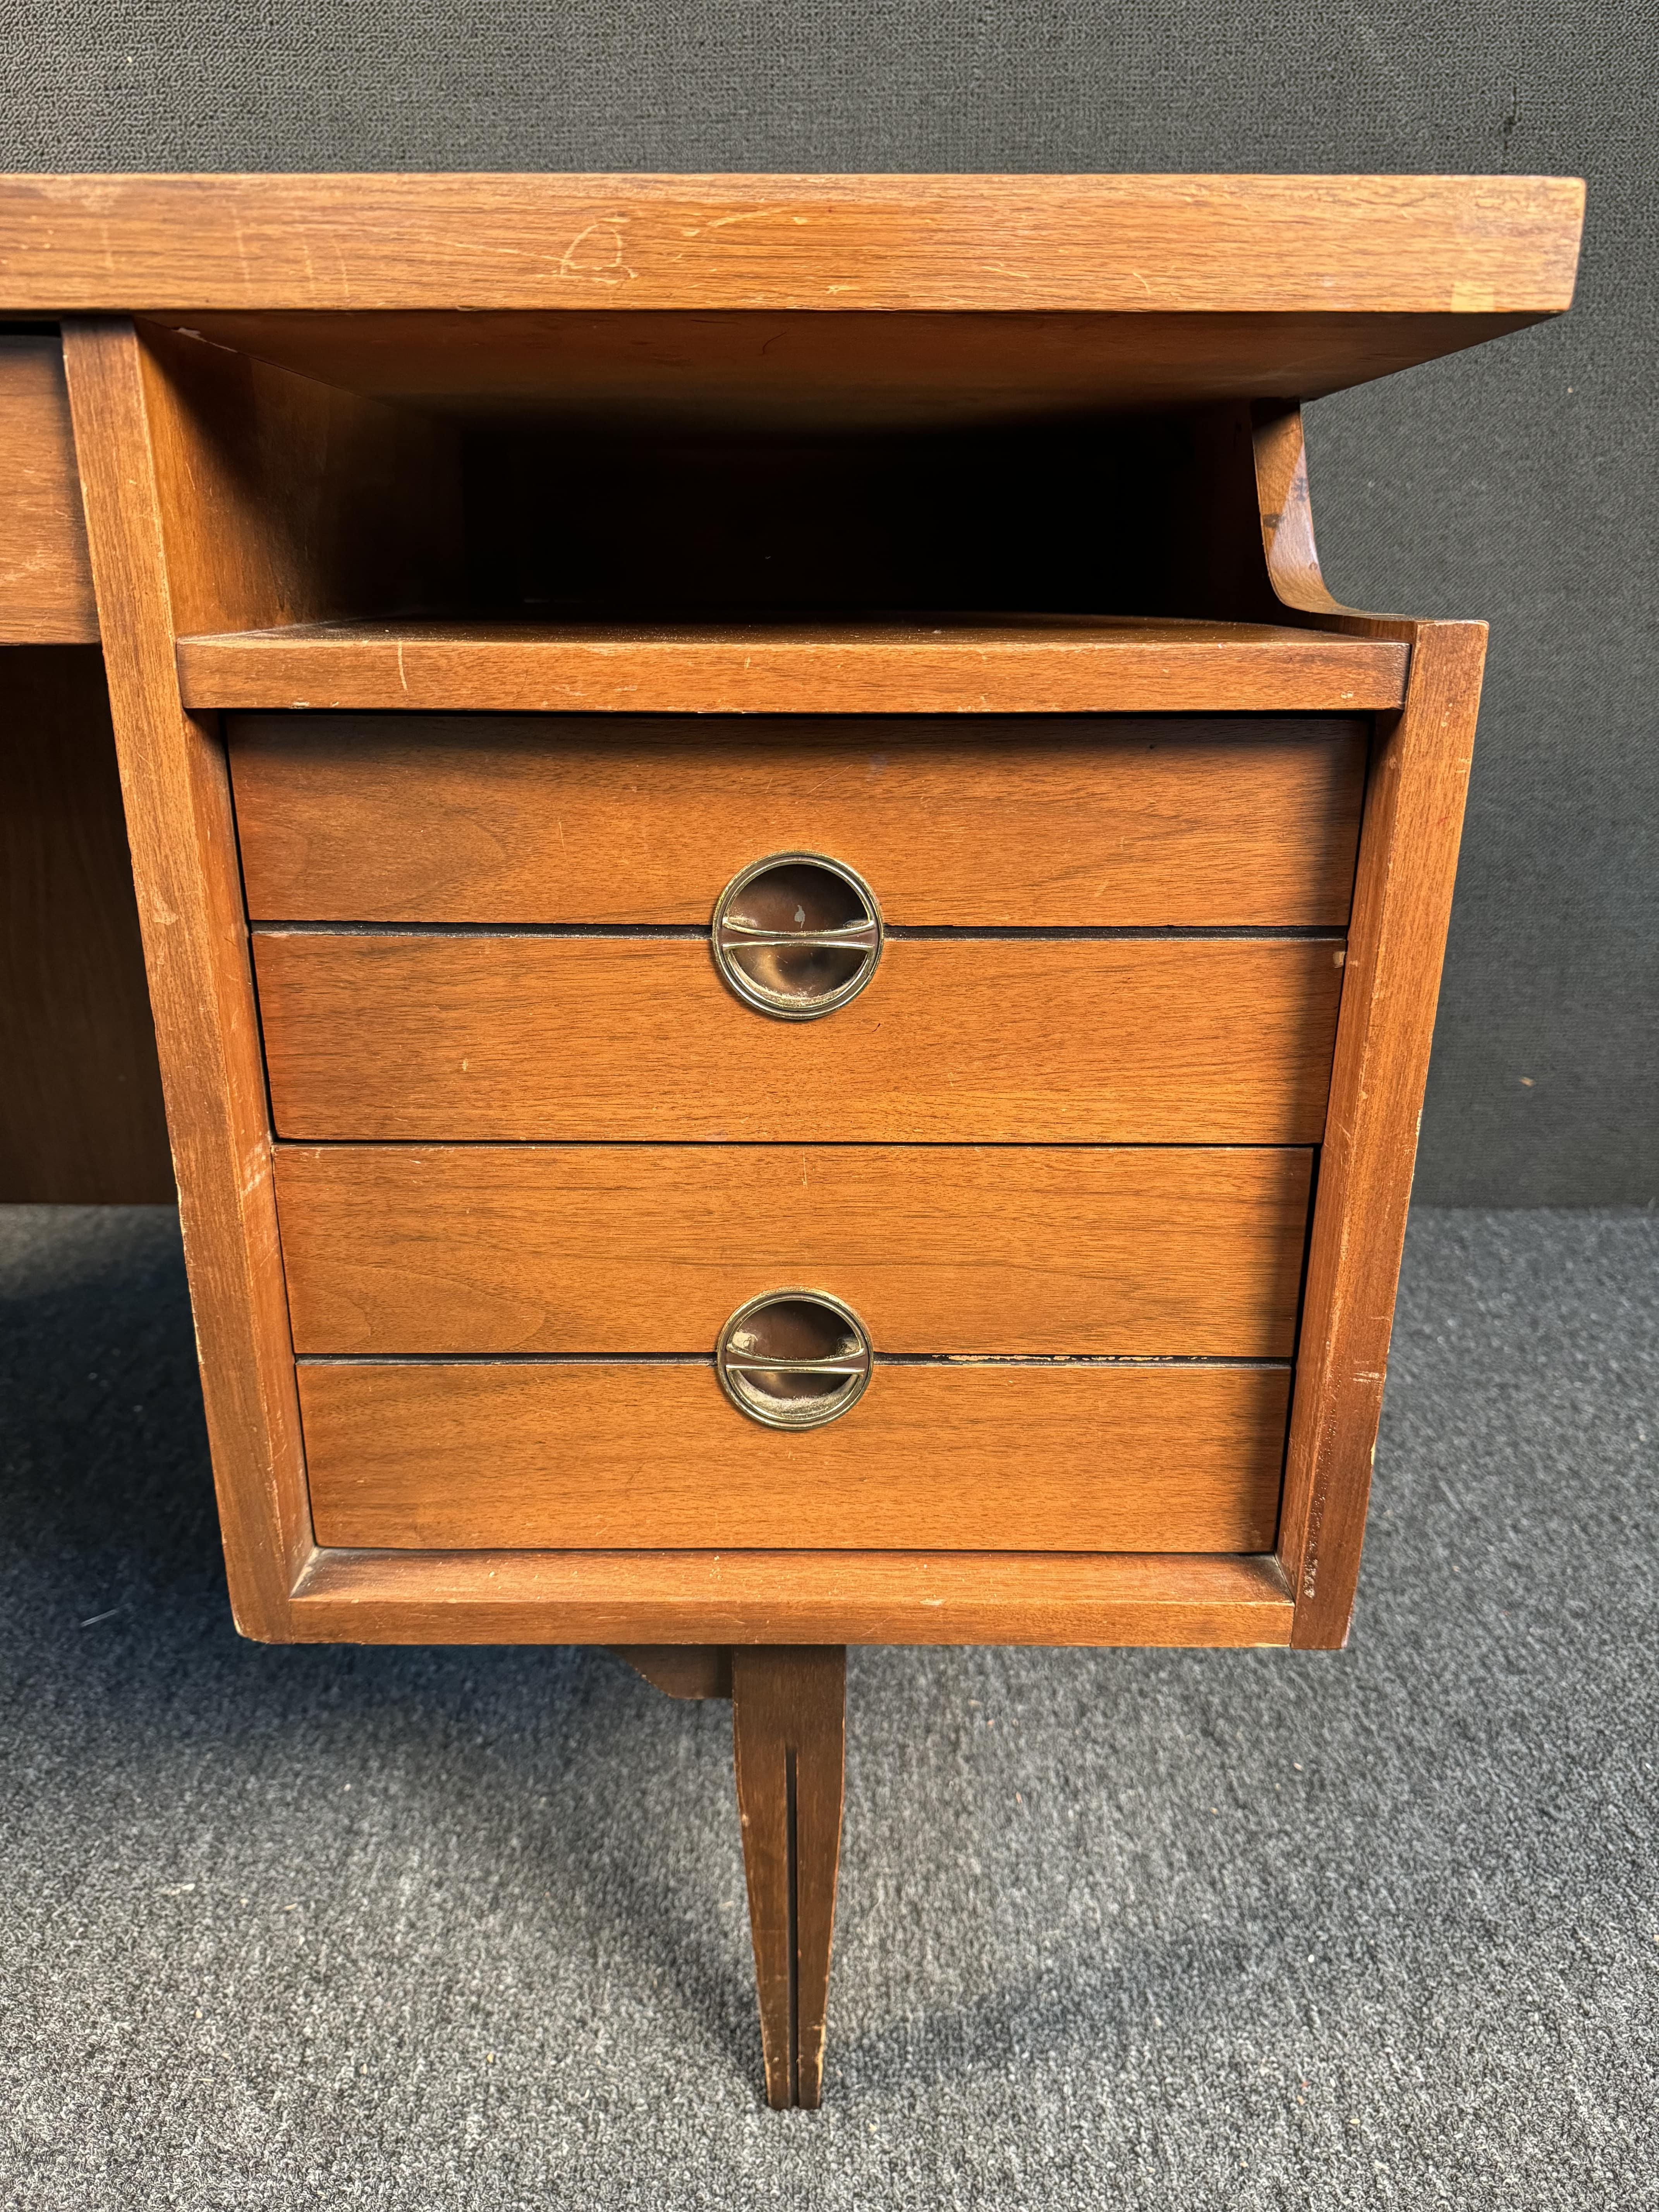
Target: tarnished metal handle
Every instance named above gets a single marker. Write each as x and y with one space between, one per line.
793 1359
797 935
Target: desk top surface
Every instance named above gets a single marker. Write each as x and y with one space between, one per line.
1131 244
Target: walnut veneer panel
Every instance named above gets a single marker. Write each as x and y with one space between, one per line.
1084 1458
641 1248
570 819
1028 1040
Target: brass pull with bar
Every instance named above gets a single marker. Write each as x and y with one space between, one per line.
793 1359
797 935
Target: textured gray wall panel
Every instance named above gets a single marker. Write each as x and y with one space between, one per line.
1518 483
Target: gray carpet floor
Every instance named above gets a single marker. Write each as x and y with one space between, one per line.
466 1928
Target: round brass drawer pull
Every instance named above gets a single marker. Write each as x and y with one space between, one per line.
797 935
793 1359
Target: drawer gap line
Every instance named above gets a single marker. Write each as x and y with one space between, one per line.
685 932
706 1359
780 1144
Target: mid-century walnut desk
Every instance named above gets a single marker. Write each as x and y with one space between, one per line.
792 948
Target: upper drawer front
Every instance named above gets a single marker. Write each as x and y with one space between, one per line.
1148 1250
1084 822
1186 1041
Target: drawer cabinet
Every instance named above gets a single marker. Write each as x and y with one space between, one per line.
1055 1160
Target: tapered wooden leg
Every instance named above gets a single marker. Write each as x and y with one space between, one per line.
788 1727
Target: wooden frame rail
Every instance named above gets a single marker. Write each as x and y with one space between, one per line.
788 1597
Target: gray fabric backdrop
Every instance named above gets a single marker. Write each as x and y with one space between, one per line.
1518 483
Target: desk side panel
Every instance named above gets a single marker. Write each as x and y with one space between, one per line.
46 578
1403 888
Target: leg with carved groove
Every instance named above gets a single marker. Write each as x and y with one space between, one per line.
788 1706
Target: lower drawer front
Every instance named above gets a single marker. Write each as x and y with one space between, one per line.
972 1456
